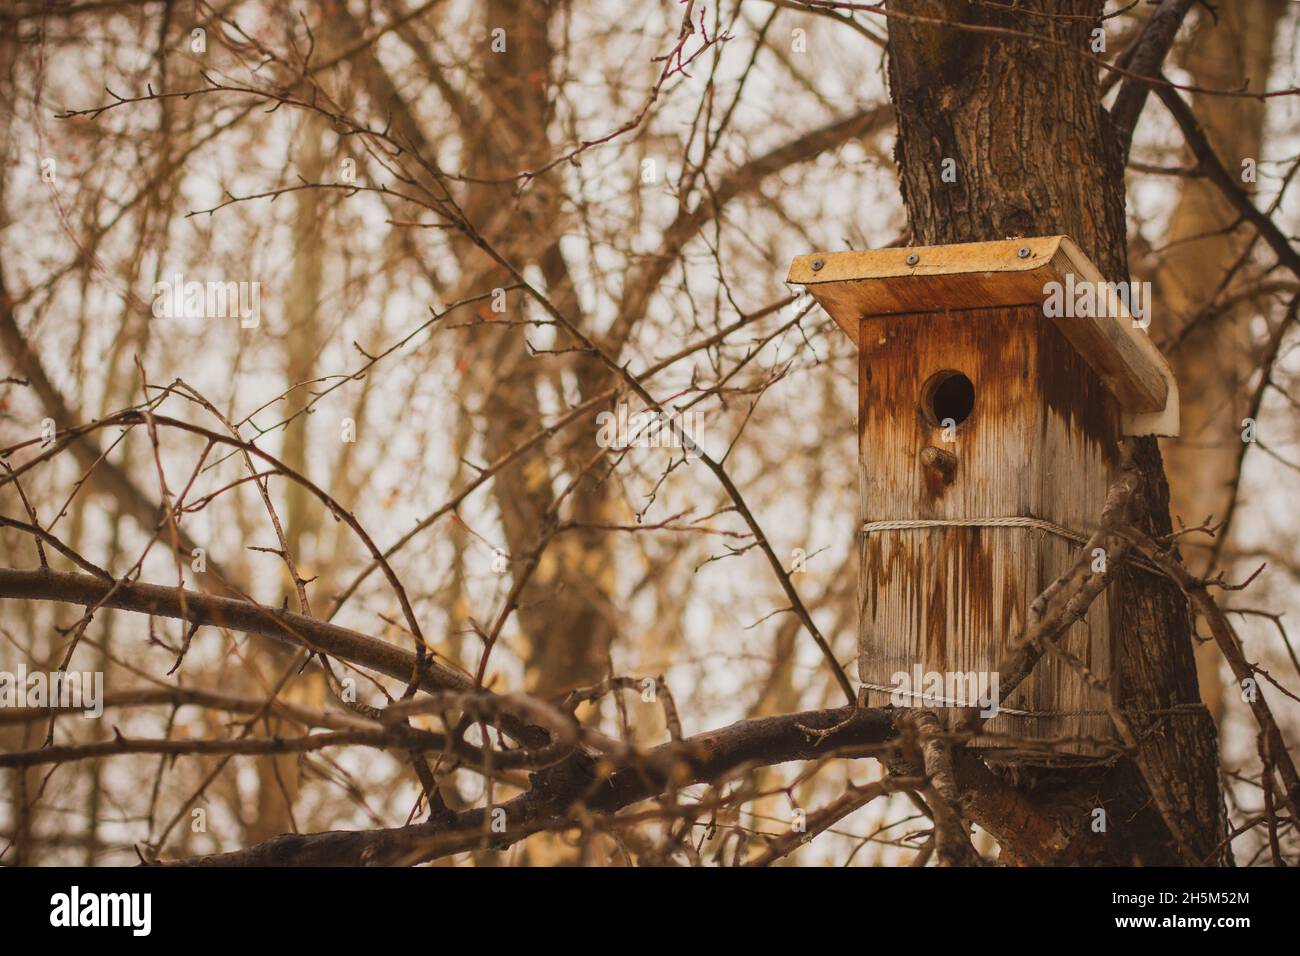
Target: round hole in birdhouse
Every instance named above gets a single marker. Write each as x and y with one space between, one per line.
947 396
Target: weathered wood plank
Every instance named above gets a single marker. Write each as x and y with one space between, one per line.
1040 441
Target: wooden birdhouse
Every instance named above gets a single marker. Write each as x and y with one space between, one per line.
995 381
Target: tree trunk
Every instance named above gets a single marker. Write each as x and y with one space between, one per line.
1213 362
1032 152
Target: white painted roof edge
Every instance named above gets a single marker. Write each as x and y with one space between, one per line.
1166 422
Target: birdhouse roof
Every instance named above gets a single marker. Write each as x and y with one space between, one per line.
852 286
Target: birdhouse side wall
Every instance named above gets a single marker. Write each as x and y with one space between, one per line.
1076 461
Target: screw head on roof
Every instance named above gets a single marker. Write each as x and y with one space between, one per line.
1024 252
913 259
817 265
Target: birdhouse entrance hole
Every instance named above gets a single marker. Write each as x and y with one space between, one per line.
948 397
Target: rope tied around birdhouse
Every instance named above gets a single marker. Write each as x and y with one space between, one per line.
1018 521
931 700
922 699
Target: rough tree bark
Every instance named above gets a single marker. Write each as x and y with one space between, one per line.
1034 154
